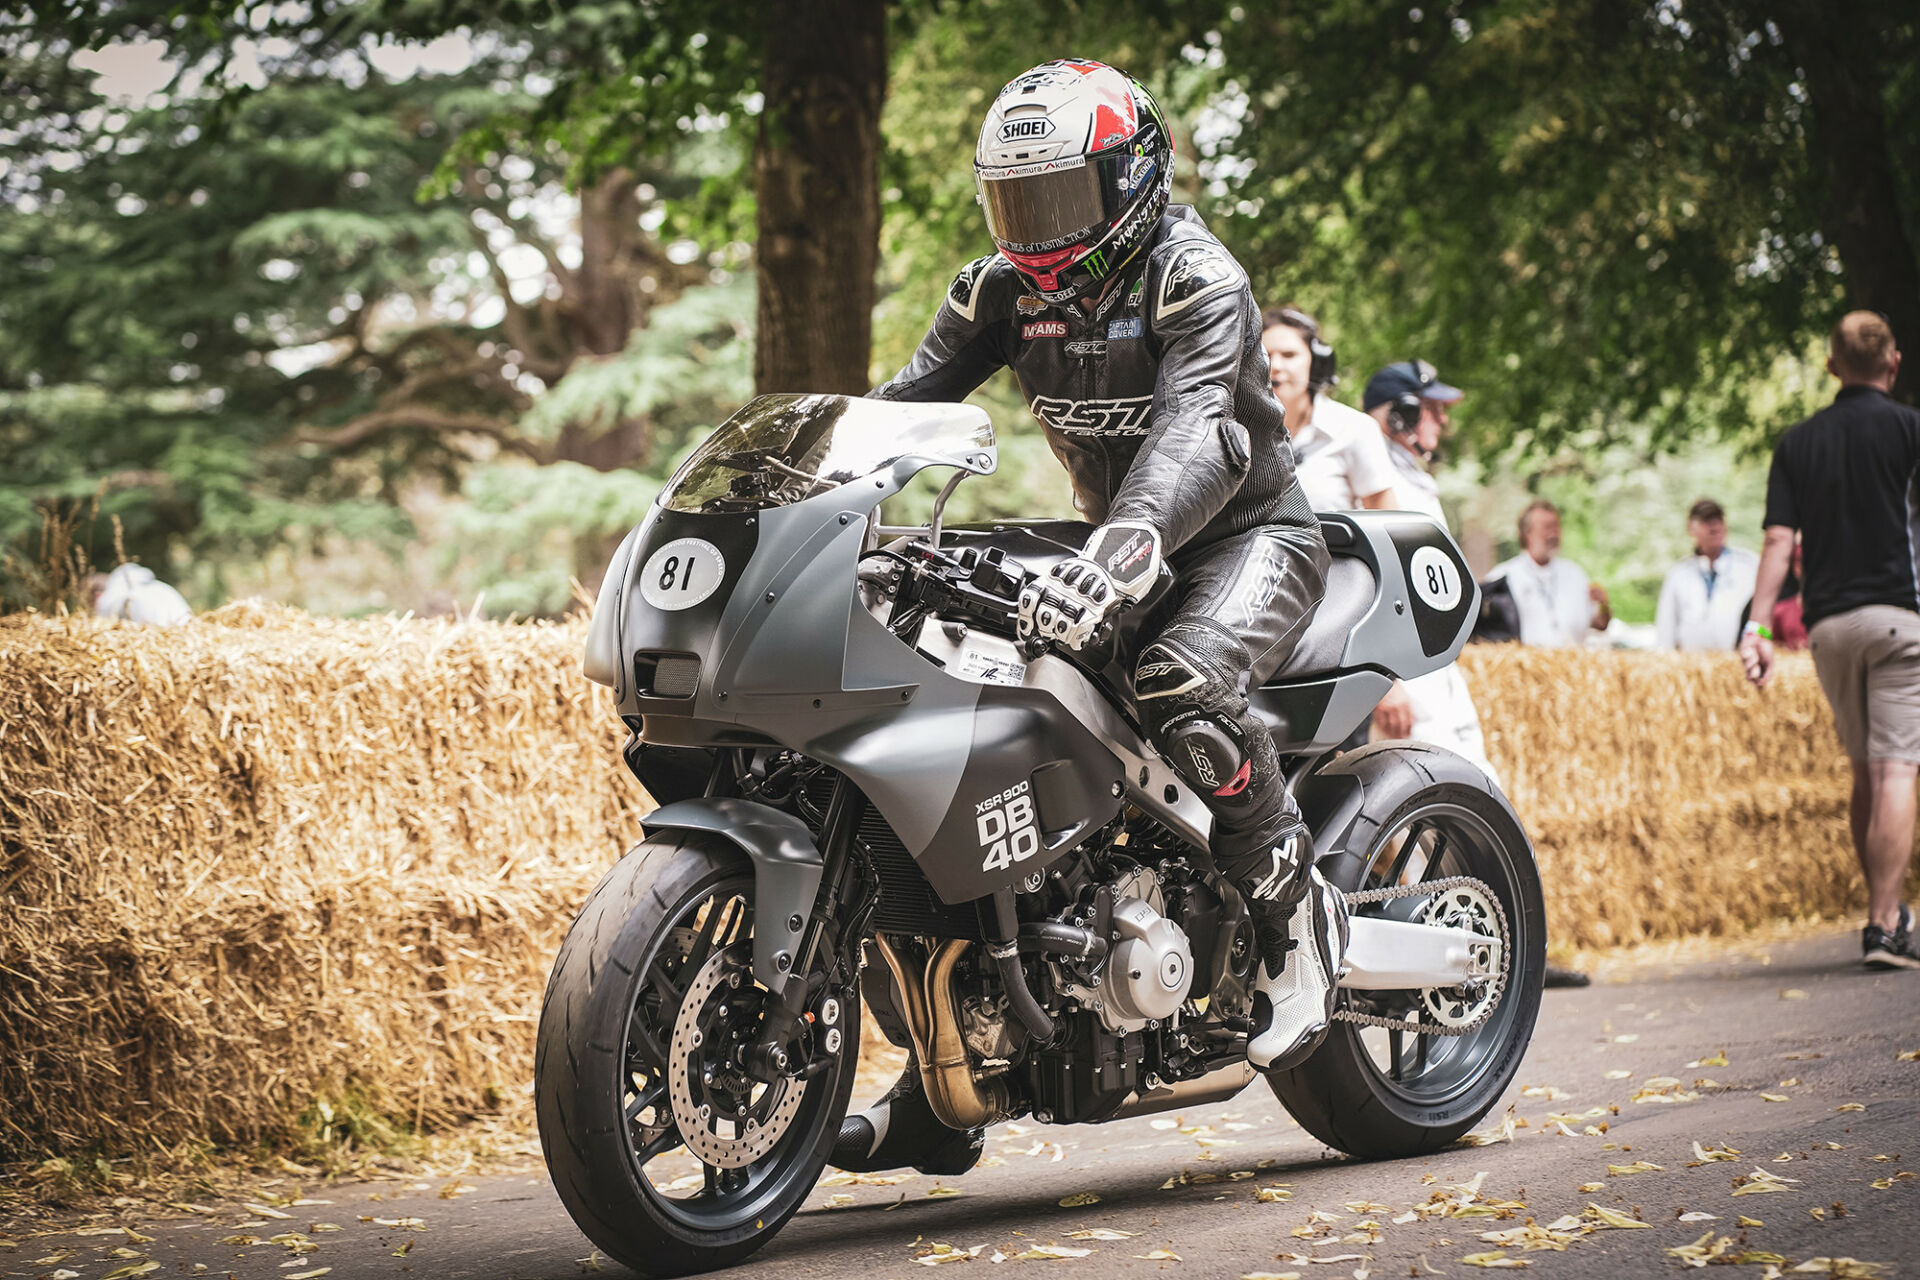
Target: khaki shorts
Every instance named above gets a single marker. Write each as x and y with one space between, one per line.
1869 664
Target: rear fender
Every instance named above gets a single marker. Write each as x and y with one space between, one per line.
786 871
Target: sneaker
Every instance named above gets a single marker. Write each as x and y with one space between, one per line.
1295 986
900 1132
1895 949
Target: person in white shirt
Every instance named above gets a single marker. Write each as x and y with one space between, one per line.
1337 454
1409 406
1704 599
1558 603
133 593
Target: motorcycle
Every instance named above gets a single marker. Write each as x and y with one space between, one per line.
871 788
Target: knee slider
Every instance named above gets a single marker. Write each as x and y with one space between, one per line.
1187 683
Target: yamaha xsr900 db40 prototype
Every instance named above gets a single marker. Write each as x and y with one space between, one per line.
869 787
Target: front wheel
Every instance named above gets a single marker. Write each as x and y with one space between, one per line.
1427 815
666 1152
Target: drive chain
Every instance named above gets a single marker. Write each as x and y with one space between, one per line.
1429 888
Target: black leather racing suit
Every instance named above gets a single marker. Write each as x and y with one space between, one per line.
1157 403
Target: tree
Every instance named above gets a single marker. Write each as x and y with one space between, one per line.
1593 214
223 325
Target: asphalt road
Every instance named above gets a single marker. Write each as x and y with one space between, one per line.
1803 1024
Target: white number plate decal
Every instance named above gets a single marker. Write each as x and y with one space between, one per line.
983 668
682 574
1436 579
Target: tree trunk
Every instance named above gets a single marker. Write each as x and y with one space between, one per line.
816 178
1839 50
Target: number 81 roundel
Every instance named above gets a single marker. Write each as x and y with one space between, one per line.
682 573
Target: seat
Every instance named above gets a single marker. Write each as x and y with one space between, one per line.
1350 593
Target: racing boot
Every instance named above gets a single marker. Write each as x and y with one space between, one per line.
900 1131
1301 953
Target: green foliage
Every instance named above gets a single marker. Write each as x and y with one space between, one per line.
1596 216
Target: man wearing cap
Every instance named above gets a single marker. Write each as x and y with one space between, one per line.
1704 599
1410 403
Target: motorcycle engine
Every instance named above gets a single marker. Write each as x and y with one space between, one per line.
1149 967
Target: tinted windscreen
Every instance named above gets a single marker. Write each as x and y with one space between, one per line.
1035 211
784 449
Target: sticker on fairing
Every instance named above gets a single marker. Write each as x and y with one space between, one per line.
681 574
984 668
1435 579
1006 827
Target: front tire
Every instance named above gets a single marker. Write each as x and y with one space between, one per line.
1426 814
651 985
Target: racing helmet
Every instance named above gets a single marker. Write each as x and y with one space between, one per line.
1074 167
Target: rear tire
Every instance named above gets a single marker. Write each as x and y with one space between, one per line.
608 1060
1425 814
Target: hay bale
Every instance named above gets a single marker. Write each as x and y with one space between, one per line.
267 858
1664 794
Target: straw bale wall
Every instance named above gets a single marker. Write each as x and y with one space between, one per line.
1666 796
268 858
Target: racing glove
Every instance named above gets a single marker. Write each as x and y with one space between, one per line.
1077 596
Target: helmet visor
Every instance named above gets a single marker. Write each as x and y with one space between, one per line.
1032 208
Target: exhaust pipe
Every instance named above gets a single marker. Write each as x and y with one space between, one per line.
933 1023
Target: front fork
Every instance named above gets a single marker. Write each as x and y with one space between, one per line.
836 922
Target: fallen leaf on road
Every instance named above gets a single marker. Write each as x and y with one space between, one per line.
1719 1059
1698 1216
1494 1260
1791 1082
1613 1218
839 1200
1629 1038
1531 1237
1079 1199
1271 1275
1591 1187
239 1242
1850 1268
1793 993
1101 1233
942 1252
1706 1154
1049 1252
1851 1106
1552 1093
1272 1195
1341 1257
263 1210
1702 1251
314 1274
1638 1166
1487 1137
132 1269
1760 1182
1745 1221
1159 1255
939 1191
1774 1097
1165 1124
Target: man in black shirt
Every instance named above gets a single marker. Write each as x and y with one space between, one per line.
1848 479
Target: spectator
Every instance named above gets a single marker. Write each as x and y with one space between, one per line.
1337 454
1844 479
1558 603
1702 601
1410 405
133 593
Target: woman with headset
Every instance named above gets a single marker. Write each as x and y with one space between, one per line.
1338 455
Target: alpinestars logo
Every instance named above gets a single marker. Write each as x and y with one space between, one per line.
1286 861
1123 417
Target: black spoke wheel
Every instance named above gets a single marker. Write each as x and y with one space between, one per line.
668 1153
1426 815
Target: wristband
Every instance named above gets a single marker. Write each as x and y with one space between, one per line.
1758 629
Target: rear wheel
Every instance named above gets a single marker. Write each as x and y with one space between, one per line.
669 1155
1427 815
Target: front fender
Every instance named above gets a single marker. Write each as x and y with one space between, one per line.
786 871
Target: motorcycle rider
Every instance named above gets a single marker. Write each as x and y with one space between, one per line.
1135 339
